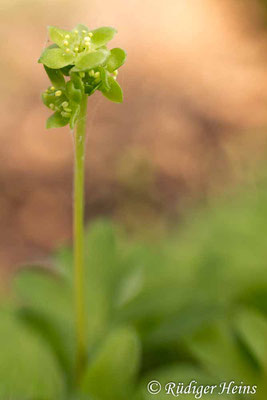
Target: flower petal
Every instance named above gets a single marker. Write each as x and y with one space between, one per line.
91 60
56 121
114 93
102 35
56 58
116 59
60 36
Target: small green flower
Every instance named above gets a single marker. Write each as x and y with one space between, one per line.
78 63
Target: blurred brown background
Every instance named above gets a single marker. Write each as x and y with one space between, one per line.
192 124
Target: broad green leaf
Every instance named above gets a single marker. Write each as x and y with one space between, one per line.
90 60
56 58
252 326
115 364
187 320
116 59
102 35
58 336
218 351
103 267
58 36
56 121
56 77
44 290
28 369
115 92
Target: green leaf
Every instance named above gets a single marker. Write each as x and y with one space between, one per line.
56 58
116 364
45 290
56 77
102 35
90 60
116 59
101 277
218 351
252 326
56 121
28 369
58 36
115 92
57 335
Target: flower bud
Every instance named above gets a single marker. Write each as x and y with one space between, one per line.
58 93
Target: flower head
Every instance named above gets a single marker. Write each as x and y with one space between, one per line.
77 63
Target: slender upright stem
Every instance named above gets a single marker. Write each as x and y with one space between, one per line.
78 237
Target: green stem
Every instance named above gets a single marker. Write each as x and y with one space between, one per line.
78 232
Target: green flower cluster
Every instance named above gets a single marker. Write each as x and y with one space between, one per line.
79 63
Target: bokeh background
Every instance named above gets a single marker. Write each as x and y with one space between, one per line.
193 123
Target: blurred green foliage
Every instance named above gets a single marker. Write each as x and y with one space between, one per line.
193 306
